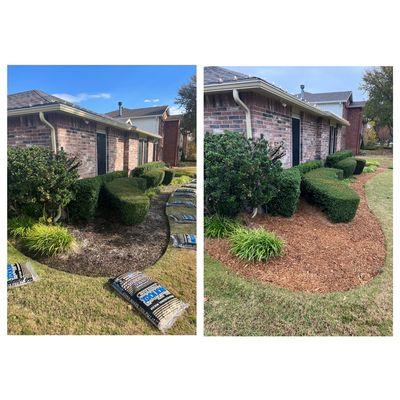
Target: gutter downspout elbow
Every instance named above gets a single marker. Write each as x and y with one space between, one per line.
52 132
246 109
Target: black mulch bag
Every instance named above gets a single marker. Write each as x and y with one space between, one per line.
150 298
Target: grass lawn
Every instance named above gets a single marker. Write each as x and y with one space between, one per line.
237 306
64 303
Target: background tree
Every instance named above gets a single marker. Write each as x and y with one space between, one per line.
378 84
187 100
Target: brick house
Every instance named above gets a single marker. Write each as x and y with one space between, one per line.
103 144
237 102
342 104
157 120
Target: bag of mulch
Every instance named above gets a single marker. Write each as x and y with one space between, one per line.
179 203
190 185
150 298
20 274
184 194
185 190
184 241
183 218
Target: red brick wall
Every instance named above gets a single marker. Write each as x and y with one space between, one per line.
353 132
27 131
76 137
171 142
270 119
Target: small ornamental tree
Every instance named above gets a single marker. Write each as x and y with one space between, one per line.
238 173
40 182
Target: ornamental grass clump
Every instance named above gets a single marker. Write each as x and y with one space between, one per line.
19 226
48 240
255 244
217 226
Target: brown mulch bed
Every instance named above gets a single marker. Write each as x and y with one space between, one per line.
319 256
109 248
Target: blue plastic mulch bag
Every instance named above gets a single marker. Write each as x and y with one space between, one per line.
150 298
184 241
20 274
183 218
179 203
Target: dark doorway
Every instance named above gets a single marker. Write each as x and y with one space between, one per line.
295 141
101 154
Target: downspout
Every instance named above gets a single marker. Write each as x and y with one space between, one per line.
52 132
246 109
54 149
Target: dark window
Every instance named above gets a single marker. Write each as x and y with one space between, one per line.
146 151
333 130
295 141
140 155
101 154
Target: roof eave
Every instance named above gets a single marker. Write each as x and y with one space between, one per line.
258 84
79 113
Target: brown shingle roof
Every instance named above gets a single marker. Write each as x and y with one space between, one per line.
138 112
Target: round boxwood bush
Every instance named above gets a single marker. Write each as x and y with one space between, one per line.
130 203
168 176
255 244
288 192
47 240
217 226
360 166
153 177
348 166
309 165
139 171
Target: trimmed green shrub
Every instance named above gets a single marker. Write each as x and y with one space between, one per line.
369 169
288 186
19 226
255 244
84 205
47 240
334 158
152 192
139 171
110 176
129 202
348 166
360 166
309 165
140 183
326 173
168 176
217 226
40 181
374 163
153 177
335 198
185 171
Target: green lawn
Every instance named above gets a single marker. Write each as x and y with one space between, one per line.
237 306
63 303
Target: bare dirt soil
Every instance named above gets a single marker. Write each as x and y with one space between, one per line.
320 256
109 248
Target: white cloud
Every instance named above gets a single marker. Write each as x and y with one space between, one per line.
176 110
151 100
80 97
147 100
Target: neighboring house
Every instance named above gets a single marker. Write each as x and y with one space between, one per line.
237 102
157 120
103 144
342 104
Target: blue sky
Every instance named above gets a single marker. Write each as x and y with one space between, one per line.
99 88
315 79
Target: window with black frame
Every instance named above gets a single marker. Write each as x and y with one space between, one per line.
140 152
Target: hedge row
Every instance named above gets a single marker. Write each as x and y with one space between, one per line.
336 199
334 158
309 166
288 192
127 200
348 165
326 173
87 193
139 171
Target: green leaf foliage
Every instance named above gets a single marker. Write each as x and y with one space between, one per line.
255 244
153 177
217 226
348 166
334 158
